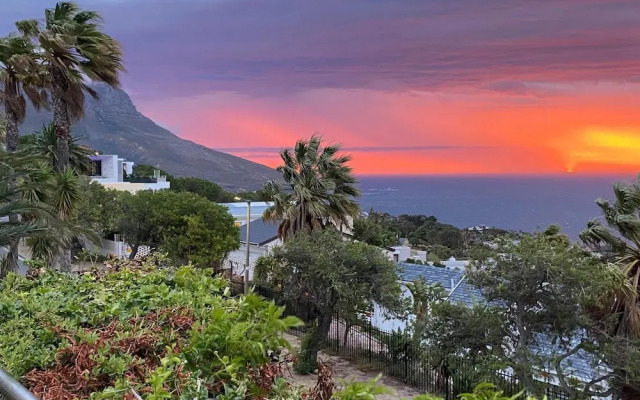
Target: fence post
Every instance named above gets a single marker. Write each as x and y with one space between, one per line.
370 330
337 333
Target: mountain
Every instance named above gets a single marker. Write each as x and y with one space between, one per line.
113 125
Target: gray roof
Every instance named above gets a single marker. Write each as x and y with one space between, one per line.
464 292
580 365
260 232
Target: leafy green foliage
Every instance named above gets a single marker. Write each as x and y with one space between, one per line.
159 331
320 189
376 229
326 274
441 240
45 143
147 171
362 390
188 227
538 291
202 187
100 208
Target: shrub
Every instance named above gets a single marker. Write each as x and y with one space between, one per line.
153 330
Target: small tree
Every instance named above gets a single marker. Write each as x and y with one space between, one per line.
189 227
376 229
330 274
538 292
211 191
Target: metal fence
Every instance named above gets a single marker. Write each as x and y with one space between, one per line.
395 354
10 389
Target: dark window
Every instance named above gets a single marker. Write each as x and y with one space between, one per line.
96 167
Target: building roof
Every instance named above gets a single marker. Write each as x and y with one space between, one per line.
580 365
463 292
260 232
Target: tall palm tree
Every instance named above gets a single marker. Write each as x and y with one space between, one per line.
63 196
45 143
618 240
20 80
14 170
319 189
73 48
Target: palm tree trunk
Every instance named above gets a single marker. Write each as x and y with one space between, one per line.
61 119
12 146
62 122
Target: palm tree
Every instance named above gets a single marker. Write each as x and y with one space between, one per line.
73 48
45 144
319 189
14 171
20 80
63 196
619 242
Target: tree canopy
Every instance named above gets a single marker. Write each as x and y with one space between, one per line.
188 227
320 189
328 274
538 292
72 49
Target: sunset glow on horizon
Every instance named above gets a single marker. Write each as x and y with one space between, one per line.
411 87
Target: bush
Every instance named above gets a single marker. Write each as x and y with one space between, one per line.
157 331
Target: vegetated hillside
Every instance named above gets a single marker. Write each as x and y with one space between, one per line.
114 126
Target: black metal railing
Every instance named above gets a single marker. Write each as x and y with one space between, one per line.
10 389
395 354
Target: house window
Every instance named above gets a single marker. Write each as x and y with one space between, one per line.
96 167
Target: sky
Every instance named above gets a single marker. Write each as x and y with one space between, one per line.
406 86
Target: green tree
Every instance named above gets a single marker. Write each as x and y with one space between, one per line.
19 82
14 170
62 193
327 274
538 292
424 296
319 189
100 209
207 189
147 171
135 222
72 48
188 227
3 128
436 233
375 229
618 241
193 229
45 143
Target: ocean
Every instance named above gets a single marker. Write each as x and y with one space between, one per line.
523 203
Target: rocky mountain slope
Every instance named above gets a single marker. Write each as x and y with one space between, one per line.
114 126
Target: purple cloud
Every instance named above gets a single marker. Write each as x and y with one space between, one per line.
270 47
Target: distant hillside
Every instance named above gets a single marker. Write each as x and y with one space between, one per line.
115 126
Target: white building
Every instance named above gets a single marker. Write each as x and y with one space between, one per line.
263 238
399 253
458 265
112 172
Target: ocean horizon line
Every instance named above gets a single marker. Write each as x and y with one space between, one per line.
504 175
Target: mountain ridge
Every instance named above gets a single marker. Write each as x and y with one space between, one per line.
114 125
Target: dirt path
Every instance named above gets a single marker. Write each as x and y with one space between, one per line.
348 371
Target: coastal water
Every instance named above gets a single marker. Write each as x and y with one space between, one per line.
525 203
